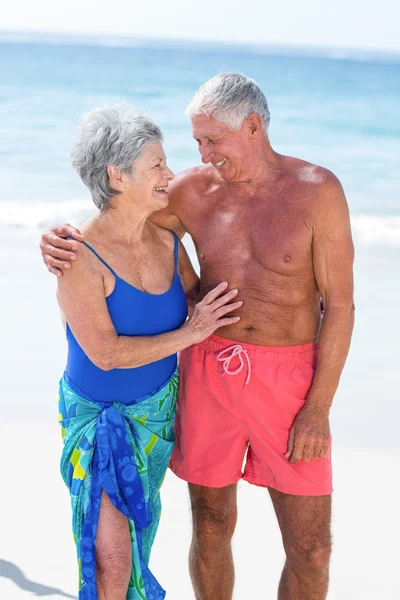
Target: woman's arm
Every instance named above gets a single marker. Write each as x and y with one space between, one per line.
82 301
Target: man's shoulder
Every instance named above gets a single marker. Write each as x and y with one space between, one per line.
315 176
193 180
322 192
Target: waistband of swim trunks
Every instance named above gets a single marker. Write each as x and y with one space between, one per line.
304 353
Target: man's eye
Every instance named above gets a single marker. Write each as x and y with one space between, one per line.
159 165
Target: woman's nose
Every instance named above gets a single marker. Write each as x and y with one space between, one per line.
169 174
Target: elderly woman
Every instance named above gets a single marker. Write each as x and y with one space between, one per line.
124 305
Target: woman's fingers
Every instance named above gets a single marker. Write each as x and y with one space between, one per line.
222 300
228 308
214 293
227 321
209 314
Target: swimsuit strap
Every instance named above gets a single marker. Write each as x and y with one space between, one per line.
101 259
176 250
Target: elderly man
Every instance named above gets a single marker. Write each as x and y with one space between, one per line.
277 228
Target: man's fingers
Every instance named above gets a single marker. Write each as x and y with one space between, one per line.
321 450
324 451
308 453
48 250
54 271
290 444
68 231
53 239
53 263
298 451
316 453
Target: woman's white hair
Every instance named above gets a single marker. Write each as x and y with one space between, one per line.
111 135
230 98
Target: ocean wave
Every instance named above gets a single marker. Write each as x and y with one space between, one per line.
366 228
376 229
41 215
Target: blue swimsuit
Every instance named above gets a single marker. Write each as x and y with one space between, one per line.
132 312
118 433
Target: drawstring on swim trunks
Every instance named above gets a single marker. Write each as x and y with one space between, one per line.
238 351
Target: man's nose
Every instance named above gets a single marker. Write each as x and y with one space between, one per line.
205 154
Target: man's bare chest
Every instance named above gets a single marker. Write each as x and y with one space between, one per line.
275 237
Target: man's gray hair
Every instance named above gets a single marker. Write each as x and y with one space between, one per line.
230 98
111 135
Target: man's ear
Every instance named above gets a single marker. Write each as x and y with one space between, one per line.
254 125
115 178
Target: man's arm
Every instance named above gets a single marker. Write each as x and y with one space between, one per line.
58 252
333 256
169 217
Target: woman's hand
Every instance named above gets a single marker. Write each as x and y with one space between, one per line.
209 314
57 252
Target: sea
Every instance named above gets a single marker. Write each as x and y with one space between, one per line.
336 109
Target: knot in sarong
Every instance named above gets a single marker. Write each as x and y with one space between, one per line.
118 456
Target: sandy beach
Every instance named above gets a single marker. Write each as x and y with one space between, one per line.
37 554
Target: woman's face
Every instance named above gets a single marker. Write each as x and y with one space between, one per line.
152 176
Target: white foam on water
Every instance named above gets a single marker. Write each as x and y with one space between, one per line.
367 229
40 215
376 229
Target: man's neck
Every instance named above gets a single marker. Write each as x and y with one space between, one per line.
264 168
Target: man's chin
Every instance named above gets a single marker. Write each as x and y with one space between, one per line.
229 178
226 175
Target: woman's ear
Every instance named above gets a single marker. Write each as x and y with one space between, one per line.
115 178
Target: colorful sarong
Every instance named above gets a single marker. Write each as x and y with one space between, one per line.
125 450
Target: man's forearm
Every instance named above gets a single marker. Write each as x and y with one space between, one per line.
167 220
333 347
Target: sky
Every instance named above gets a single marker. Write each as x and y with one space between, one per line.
368 24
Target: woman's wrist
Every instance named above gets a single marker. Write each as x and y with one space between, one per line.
188 336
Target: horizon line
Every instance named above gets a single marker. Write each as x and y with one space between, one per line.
116 40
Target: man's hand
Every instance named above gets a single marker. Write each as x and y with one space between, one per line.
57 252
309 436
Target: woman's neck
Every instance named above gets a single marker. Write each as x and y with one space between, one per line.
124 223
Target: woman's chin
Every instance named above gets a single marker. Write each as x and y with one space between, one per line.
161 199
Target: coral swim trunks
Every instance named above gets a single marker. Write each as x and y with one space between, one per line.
236 405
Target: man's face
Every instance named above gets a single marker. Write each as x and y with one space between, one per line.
230 152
